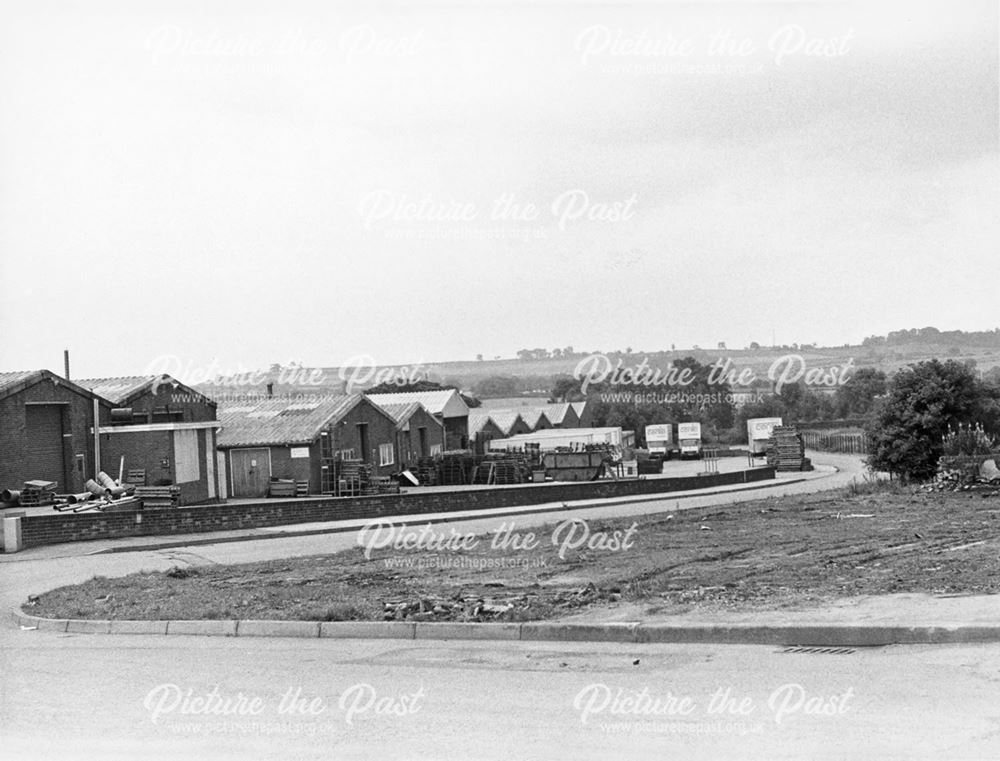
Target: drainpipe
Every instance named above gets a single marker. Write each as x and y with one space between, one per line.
97 438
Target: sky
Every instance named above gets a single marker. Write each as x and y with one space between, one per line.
235 184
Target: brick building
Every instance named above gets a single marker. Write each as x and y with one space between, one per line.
447 405
162 429
482 430
46 430
418 432
283 437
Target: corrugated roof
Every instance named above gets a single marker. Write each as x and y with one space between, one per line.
280 421
434 401
119 390
505 420
14 381
477 421
400 412
556 413
16 376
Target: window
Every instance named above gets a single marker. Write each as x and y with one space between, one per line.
345 454
386 454
435 449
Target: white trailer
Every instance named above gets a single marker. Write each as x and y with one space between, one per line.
660 438
689 438
564 438
759 430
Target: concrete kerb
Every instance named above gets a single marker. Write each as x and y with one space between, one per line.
816 635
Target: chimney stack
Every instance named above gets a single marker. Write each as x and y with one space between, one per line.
270 390
66 364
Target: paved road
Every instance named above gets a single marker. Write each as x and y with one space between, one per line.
91 696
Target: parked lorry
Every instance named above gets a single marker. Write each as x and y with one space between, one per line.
758 432
660 439
689 439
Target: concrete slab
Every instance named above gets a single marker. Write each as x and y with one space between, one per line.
84 626
138 627
461 630
215 628
277 629
367 629
614 632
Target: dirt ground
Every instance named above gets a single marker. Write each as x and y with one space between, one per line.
772 553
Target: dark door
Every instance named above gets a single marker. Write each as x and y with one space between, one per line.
364 454
44 459
251 469
422 433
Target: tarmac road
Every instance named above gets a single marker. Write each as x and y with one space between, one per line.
76 696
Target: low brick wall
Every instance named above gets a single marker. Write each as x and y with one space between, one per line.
39 530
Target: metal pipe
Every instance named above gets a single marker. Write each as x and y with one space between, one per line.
97 437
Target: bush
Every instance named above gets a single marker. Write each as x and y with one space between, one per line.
911 422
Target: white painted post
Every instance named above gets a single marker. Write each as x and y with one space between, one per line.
12 541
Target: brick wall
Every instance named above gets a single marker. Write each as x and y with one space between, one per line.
181 399
56 528
77 420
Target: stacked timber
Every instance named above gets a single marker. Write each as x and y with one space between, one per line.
36 493
281 487
786 451
158 496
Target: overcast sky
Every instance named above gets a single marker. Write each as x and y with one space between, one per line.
256 182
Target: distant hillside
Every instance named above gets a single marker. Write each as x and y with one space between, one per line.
532 373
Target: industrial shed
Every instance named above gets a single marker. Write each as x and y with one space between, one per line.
164 432
509 423
562 415
46 430
482 430
584 413
447 405
418 432
292 438
535 418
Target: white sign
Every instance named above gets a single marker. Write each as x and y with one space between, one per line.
299 453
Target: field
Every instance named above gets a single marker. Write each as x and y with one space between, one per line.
789 552
537 374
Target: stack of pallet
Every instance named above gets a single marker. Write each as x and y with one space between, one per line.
281 487
382 485
786 450
426 471
455 468
351 477
37 493
158 496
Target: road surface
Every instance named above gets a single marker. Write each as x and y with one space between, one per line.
74 696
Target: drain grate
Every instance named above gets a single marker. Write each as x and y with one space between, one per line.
819 650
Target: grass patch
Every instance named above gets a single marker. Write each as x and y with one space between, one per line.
872 538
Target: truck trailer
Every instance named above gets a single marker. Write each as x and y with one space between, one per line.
758 432
689 438
660 439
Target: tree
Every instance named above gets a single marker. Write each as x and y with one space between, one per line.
857 396
923 400
565 388
494 386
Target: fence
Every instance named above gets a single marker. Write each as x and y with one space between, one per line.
843 443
